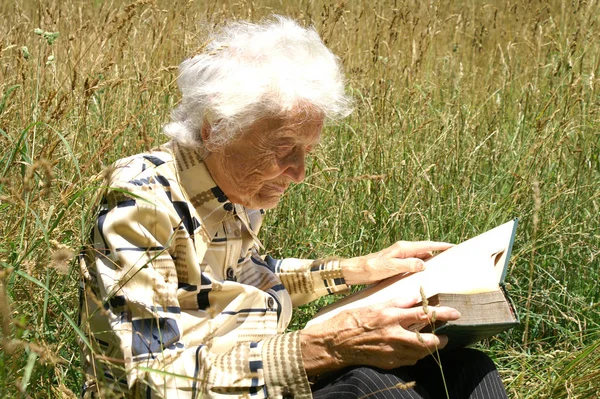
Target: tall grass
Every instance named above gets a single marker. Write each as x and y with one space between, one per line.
467 115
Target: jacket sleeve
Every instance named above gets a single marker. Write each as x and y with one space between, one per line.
307 280
169 348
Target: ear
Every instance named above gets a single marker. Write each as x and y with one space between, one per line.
205 131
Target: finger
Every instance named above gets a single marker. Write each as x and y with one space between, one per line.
424 255
417 315
407 265
432 342
405 354
410 249
431 246
425 343
403 302
409 355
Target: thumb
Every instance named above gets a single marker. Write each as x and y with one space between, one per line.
410 265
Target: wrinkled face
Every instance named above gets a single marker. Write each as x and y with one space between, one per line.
257 167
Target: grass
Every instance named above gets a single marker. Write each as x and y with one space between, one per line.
467 115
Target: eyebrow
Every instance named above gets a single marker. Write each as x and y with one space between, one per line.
295 137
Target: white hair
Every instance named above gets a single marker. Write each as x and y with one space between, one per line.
250 71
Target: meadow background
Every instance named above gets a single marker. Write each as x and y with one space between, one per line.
467 114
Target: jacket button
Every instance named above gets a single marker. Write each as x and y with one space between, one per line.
271 303
230 275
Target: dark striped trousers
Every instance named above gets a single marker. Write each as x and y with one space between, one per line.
467 373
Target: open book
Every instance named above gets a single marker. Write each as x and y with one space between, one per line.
468 277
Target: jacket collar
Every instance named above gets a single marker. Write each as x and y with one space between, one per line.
211 204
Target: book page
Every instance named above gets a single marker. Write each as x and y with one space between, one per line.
474 266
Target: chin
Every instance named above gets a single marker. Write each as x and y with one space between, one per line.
271 205
265 203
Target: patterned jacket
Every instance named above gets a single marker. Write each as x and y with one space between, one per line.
177 301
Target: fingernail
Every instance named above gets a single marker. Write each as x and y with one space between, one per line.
443 341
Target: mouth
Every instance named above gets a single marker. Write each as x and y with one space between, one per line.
276 188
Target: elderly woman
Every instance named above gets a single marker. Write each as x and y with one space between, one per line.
179 303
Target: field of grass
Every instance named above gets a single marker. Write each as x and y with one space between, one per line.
467 114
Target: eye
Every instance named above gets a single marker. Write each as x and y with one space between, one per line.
284 150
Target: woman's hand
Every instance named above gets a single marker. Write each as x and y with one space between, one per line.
377 336
401 257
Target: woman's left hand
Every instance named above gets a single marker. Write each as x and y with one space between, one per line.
401 257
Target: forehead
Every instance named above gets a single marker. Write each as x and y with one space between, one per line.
300 128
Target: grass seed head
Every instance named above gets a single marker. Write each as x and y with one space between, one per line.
46 168
5 312
406 385
64 392
419 337
424 300
61 259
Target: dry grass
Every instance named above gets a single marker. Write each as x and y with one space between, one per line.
467 114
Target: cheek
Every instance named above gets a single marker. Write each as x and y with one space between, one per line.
268 166
253 172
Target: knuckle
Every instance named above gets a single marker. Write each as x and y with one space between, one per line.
401 247
420 313
400 244
388 315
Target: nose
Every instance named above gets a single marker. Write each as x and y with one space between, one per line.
295 169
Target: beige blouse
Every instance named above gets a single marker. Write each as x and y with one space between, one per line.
177 301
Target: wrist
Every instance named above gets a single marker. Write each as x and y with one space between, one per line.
318 352
353 269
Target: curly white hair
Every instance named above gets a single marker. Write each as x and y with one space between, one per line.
249 71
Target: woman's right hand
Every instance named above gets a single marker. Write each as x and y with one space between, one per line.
376 336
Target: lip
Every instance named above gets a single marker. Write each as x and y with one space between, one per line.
274 187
